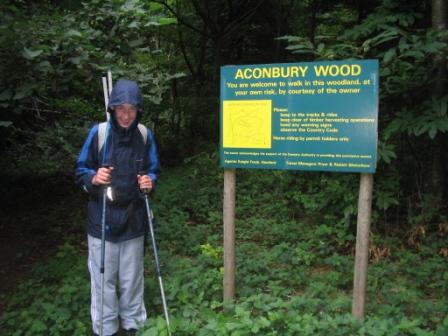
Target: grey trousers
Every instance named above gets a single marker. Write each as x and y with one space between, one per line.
123 284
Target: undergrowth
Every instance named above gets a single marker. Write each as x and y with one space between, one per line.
295 245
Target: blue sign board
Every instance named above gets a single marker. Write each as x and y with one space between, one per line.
301 116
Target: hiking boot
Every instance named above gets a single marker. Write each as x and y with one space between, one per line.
130 332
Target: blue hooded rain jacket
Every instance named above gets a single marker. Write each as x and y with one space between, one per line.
126 151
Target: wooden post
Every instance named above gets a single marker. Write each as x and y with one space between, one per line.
362 245
229 234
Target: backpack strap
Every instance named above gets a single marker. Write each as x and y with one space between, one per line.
144 132
102 133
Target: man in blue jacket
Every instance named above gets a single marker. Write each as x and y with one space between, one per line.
121 154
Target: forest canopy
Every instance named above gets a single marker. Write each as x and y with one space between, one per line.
54 53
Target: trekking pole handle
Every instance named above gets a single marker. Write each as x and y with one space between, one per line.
145 191
107 166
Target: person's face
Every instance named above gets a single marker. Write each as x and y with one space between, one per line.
125 114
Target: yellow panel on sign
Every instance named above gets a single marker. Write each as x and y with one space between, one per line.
247 123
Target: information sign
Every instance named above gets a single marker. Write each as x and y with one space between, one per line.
302 116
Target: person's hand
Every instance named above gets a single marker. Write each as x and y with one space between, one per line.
103 176
144 182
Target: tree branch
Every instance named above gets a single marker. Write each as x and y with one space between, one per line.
184 52
179 18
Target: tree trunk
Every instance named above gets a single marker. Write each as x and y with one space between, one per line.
360 11
437 178
313 19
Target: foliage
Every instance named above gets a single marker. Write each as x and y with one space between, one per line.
54 301
51 54
412 113
48 52
293 276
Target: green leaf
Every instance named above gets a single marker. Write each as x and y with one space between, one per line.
176 75
320 47
38 326
434 47
72 33
152 23
414 53
167 21
240 311
154 6
43 66
30 54
385 71
389 55
75 60
432 132
136 43
24 91
440 106
5 123
290 38
133 24
6 95
385 200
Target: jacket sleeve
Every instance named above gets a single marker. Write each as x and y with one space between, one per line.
153 170
87 162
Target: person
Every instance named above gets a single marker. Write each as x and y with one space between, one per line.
126 163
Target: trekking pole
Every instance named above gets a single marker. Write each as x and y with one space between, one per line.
106 92
103 252
156 257
109 82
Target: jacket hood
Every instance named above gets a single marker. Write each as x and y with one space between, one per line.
126 92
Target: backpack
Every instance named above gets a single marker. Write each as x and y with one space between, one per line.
102 133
